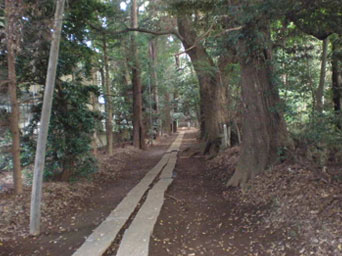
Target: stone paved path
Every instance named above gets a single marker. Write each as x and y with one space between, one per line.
136 237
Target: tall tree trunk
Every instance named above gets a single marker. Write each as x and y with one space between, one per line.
207 74
337 78
11 33
108 98
94 105
167 114
200 109
153 49
138 126
224 94
44 122
153 56
175 110
320 89
264 130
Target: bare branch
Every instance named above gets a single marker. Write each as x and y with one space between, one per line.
228 30
204 35
157 33
4 82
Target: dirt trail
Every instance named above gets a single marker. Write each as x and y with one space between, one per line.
76 225
197 220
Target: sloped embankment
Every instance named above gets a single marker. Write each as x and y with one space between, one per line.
301 203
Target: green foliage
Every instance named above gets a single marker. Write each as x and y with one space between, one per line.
321 130
71 128
189 96
319 18
5 158
297 69
181 6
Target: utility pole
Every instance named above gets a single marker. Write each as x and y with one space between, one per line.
39 163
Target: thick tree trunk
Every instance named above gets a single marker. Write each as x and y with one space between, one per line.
320 89
108 98
210 87
337 79
264 130
11 19
44 121
138 126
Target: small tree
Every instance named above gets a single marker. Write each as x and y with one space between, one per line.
68 149
12 10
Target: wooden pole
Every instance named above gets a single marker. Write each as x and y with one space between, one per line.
44 121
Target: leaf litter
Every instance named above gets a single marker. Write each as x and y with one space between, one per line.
59 198
301 205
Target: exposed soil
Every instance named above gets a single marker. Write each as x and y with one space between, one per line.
287 211
197 220
72 211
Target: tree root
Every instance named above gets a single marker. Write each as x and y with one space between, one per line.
239 179
212 147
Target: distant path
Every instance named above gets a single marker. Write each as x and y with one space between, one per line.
136 237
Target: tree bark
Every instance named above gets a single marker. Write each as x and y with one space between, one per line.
320 89
138 126
224 94
210 87
11 19
264 130
337 79
44 122
108 98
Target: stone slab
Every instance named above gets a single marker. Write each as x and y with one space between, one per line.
103 236
137 237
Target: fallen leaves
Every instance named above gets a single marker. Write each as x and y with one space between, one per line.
59 198
298 202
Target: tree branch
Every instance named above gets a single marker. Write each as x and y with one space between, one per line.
142 30
200 38
4 82
228 30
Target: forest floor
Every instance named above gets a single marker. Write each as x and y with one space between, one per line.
197 219
287 211
71 211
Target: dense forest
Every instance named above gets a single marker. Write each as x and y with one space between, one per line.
260 80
